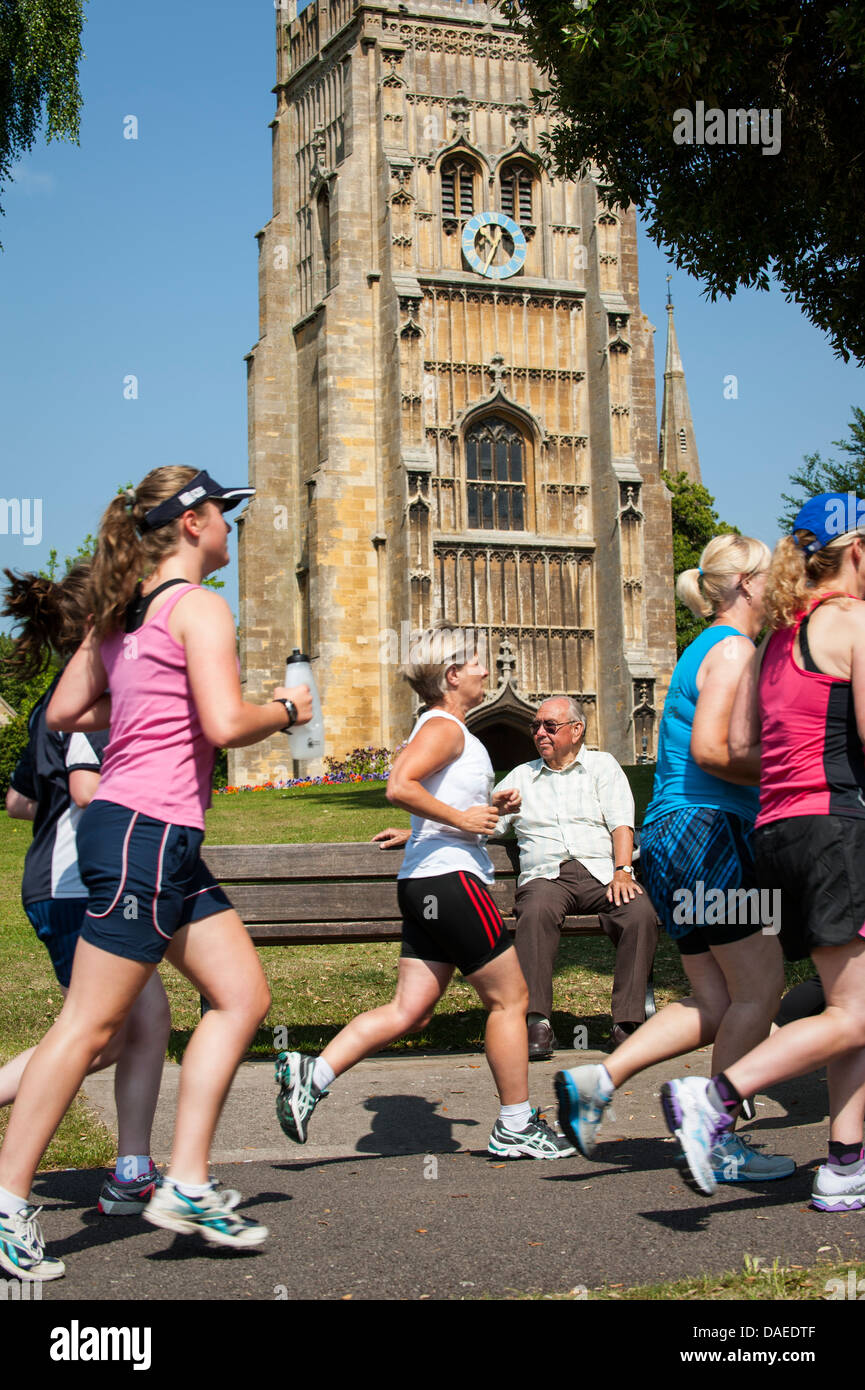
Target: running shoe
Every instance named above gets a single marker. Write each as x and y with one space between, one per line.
734 1159
22 1249
696 1124
297 1096
581 1105
128 1196
837 1189
539 1140
211 1216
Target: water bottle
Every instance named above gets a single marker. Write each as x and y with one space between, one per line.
306 740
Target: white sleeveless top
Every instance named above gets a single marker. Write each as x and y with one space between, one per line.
468 781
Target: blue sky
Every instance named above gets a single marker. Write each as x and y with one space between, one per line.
136 257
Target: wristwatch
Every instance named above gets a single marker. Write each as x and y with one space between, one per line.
290 709
624 869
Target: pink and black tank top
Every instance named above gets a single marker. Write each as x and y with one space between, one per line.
812 761
158 760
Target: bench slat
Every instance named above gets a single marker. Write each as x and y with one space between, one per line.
230 863
335 902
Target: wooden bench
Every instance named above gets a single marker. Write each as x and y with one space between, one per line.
295 895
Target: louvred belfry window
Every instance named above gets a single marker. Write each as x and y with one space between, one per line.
516 192
458 188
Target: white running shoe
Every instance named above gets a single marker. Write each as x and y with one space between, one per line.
838 1190
581 1105
211 1216
539 1140
22 1249
697 1125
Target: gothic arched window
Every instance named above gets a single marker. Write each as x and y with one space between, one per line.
495 476
458 188
516 184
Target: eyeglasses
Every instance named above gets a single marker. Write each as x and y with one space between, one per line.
550 726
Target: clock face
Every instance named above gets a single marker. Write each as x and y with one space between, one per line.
493 245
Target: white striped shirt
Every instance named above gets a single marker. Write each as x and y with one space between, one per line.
568 813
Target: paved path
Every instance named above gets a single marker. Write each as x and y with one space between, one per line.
393 1196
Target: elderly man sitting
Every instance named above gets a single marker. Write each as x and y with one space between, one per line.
575 829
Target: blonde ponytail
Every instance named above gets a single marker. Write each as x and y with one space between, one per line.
713 585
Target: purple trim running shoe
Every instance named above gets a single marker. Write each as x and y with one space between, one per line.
696 1124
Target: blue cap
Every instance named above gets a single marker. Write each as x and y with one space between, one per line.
828 516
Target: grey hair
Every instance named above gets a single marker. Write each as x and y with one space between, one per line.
575 709
432 653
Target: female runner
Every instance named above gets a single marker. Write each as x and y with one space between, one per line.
445 778
160 662
697 831
52 783
799 724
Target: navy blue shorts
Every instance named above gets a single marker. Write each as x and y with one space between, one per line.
145 880
57 923
452 919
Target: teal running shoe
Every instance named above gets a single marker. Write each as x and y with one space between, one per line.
22 1248
539 1140
734 1159
297 1096
581 1105
211 1216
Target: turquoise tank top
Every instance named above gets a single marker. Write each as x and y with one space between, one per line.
679 781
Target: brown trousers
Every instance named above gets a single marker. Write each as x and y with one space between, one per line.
540 907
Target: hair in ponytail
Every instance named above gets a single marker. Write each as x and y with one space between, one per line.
125 554
793 575
52 615
723 561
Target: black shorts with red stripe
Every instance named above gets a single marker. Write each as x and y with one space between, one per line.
451 918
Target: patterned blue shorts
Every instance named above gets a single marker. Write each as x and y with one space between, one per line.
691 858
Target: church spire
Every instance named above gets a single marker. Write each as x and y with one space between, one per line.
677 445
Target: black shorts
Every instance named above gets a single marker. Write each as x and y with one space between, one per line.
451 918
818 864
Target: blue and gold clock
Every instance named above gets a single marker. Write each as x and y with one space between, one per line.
493 245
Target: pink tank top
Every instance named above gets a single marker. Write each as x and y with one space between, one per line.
811 754
158 760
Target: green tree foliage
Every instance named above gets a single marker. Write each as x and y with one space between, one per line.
40 49
21 695
828 475
618 72
695 523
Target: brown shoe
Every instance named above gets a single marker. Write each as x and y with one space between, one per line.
542 1041
620 1033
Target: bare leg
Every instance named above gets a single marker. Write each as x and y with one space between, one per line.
101 993
143 1040
420 984
835 1036
12 1072
503 990
680 1027
754 972
217 955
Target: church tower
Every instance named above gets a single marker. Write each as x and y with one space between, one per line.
452 401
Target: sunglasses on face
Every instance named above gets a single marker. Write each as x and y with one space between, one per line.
549 726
